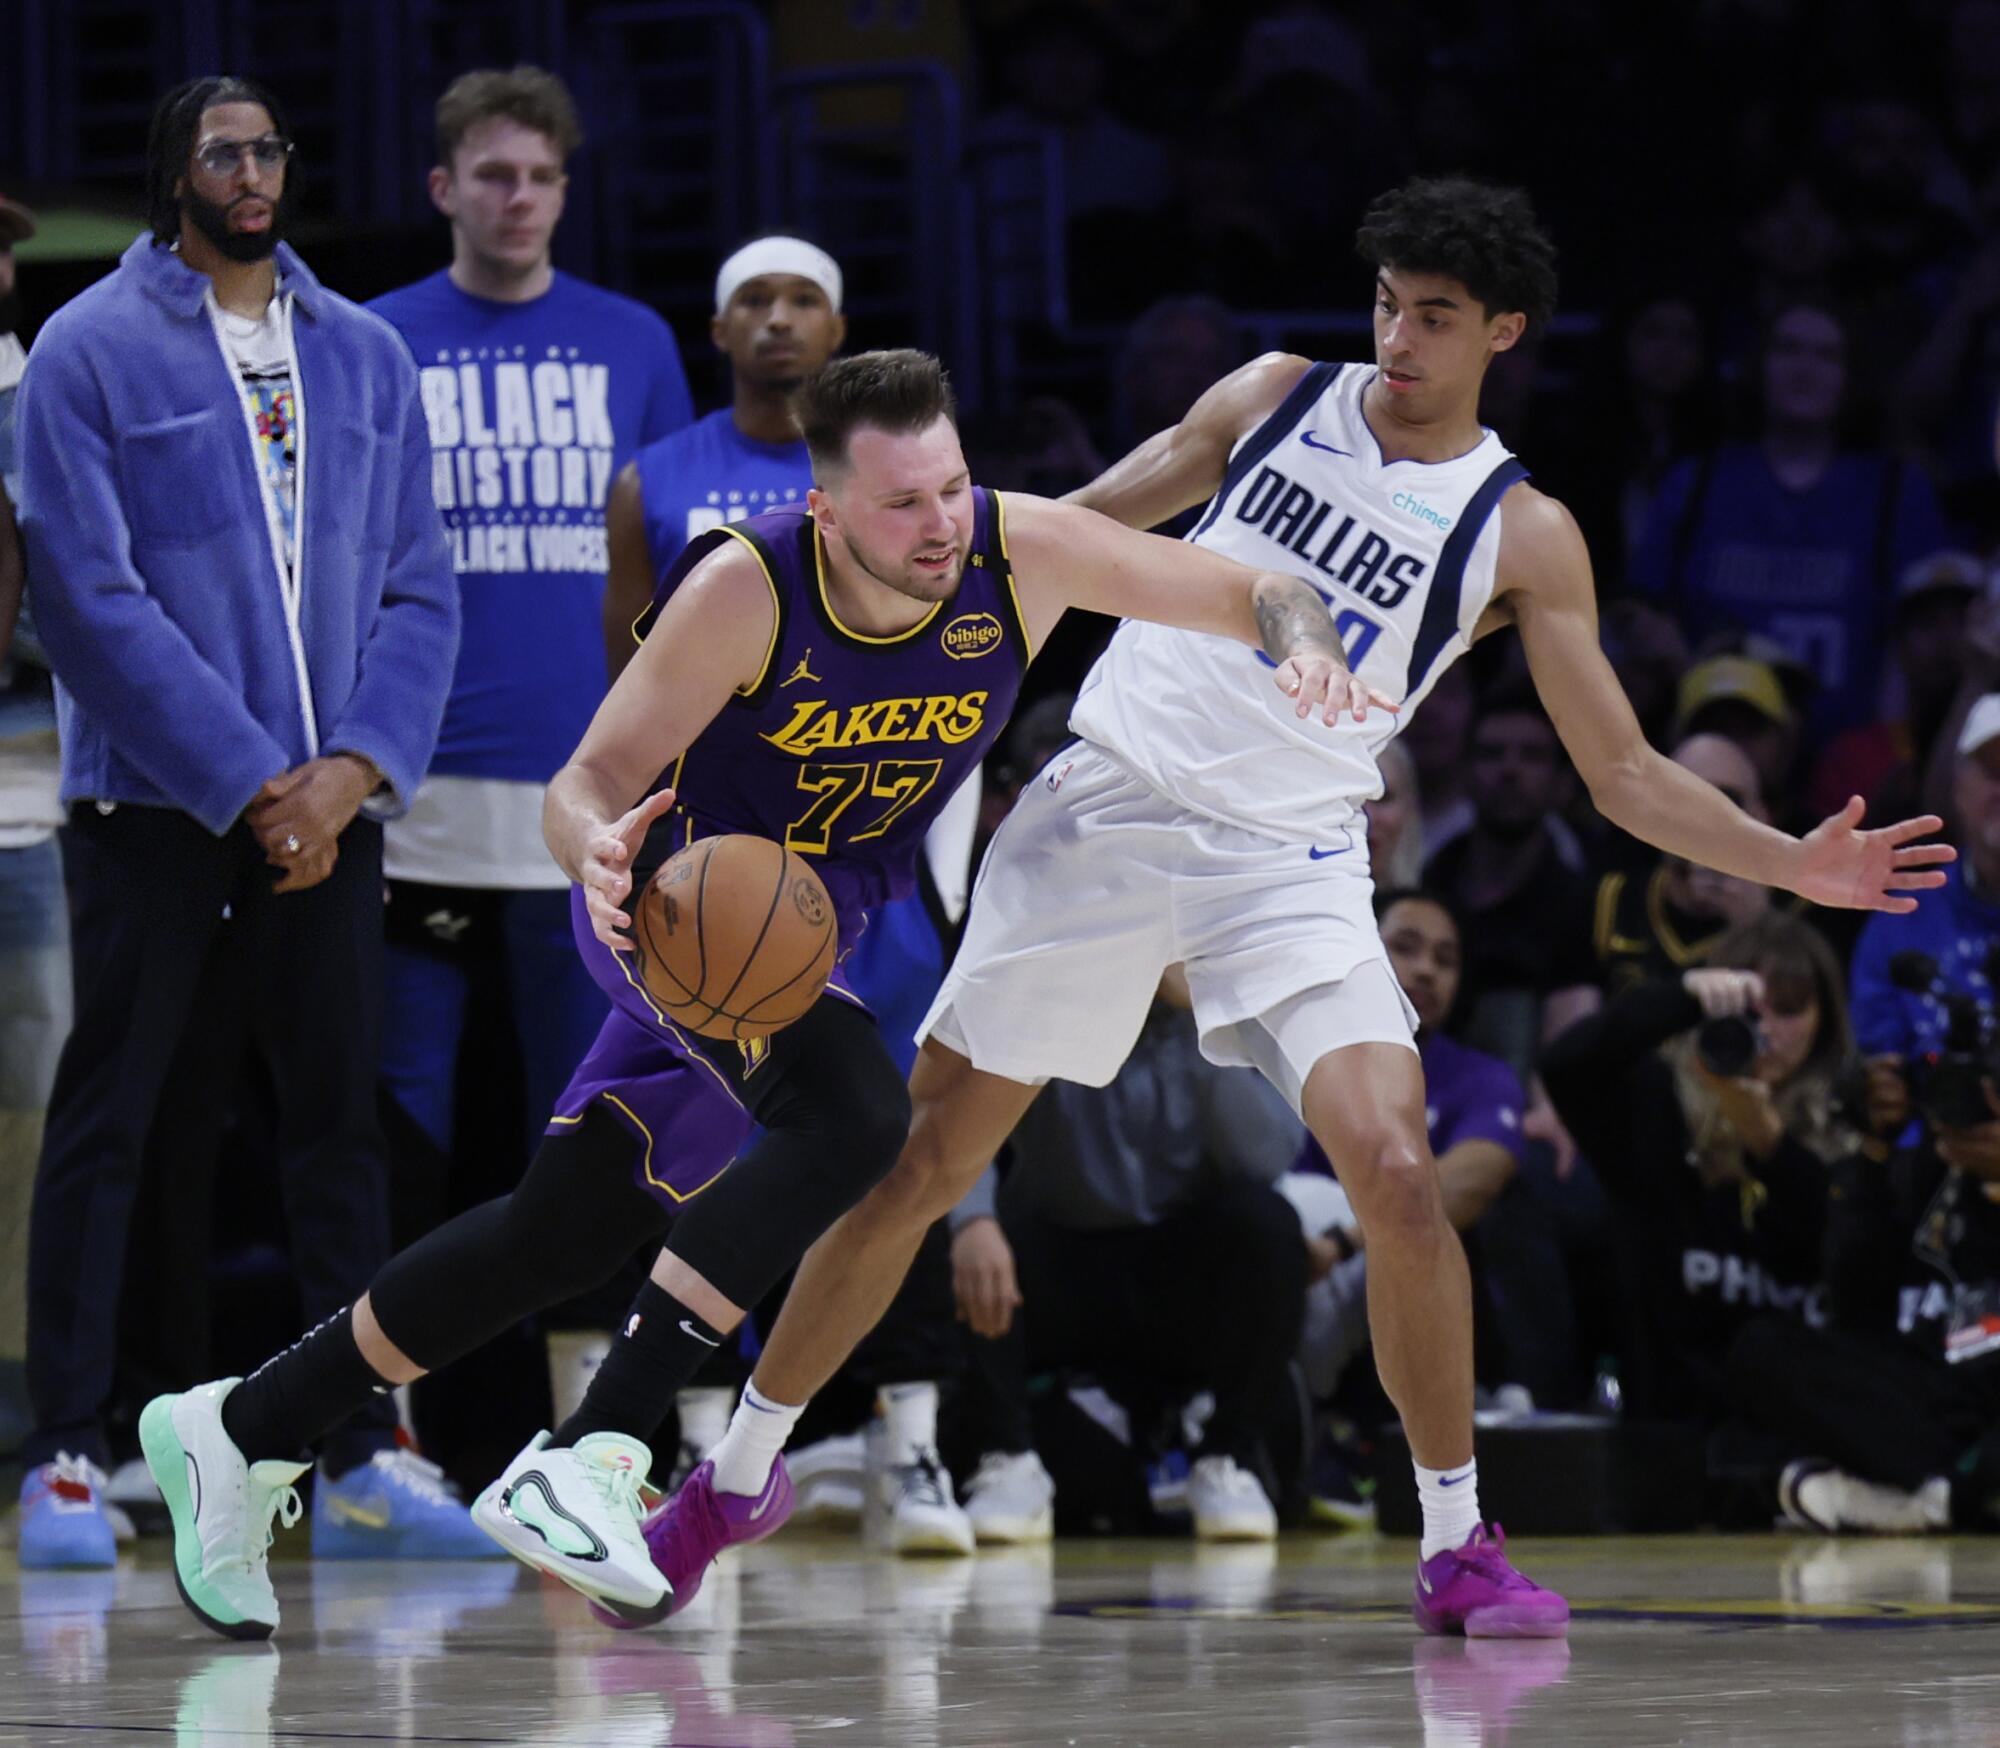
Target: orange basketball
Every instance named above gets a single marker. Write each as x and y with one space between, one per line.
734 938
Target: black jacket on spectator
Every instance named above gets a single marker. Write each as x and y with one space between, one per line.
1897 1237
1700 1259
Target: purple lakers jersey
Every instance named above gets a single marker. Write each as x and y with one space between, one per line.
846 745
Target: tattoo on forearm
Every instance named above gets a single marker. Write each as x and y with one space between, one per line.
1293 621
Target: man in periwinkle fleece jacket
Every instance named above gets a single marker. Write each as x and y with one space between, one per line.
243 588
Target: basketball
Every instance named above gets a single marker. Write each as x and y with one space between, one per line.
734 937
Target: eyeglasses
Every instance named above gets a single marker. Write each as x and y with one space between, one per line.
220 157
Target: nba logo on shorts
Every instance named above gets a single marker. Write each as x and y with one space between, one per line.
1054 779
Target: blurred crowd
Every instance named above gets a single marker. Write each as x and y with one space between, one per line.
1719 1161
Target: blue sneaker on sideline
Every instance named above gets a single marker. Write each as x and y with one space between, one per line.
62 1515
396 1506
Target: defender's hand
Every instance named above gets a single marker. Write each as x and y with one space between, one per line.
1840 864
606 874
1320 683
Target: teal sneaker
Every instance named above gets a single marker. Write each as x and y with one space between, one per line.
396 1506
222 1507
575 1515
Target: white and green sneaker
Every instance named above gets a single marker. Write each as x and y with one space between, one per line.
575 1514
222 1509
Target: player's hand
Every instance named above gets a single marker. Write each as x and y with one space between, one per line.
1722 993
983 1279
1317 682
1841 865
606 874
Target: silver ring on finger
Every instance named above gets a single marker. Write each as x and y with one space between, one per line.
292 844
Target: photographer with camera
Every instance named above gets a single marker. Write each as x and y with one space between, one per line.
1708 1105
1886 1405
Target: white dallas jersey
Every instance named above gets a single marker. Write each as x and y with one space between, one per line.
1403 551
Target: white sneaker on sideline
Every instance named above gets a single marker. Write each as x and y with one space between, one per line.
1229 1503
575 1514
830 1477
1816 1495
1011 1498
924 1517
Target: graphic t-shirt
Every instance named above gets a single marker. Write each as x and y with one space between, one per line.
711 474
533 408
264 367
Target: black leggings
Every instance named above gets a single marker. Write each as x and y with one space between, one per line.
834 1112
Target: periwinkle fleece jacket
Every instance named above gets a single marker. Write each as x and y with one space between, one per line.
150 563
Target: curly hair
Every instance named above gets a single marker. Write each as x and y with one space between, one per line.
1484 236
170 140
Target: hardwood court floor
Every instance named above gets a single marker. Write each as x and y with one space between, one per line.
810 1640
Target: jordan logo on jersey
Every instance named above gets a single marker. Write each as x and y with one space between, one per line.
1355 556
802 672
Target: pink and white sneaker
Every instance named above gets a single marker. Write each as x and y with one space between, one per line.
688 1531
1475 1591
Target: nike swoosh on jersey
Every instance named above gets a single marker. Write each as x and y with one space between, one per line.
1318 855
1312 442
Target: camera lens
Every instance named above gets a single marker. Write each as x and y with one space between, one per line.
1727 1046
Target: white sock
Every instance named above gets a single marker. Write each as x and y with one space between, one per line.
909 1420
704 1416
757 1433
1450 1498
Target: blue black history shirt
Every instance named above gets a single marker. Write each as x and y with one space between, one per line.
533 408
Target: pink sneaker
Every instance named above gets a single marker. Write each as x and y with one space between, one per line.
1473 1590
697 1523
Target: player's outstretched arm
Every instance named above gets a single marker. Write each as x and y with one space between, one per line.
1067 557
1182 466
628 585
711 639
1545 584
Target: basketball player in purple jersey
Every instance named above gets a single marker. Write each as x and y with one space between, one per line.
1191 823
824 676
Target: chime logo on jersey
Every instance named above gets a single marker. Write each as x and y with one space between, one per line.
969 635
816 726
1330 539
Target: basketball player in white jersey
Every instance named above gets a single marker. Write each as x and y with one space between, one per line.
1198 821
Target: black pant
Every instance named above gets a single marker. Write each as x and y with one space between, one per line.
1873 1404
163 909
1211 1299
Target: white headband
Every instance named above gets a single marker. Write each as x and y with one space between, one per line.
777 255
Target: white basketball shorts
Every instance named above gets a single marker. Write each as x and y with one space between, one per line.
1097 882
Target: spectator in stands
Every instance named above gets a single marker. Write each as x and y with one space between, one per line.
1795 536
1661 917
1885 1412
1946 396
1437 738
777 320
1651 402
1474 1106
295 629
558 382
1742 700
1716 1165
1171 356
1515 879
1957 926
1136 1236
1396 822
34 920
1649 654
1055 71
1884 761
1793 246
